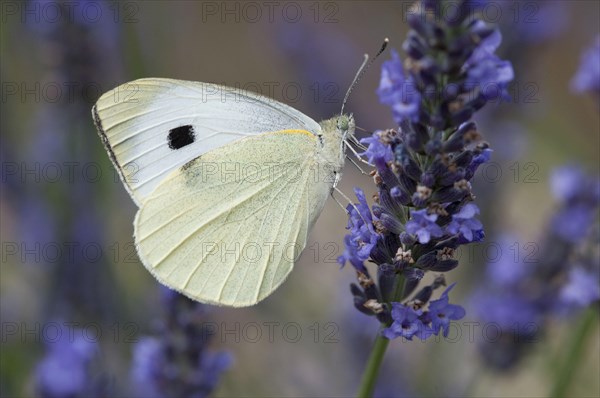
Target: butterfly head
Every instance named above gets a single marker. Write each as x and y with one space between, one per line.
345 126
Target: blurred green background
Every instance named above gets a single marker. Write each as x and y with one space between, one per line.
304 54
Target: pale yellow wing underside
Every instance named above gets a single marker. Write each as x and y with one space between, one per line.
227 227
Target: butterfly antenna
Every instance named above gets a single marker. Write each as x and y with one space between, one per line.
362 129
361 71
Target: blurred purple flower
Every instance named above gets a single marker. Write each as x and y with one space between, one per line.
212 365
570 183
505 308
579 195
177 362
89 16
567 182
549 21
37 222
587 78
581 289
64 371
522 295
147 362
573 223
506 269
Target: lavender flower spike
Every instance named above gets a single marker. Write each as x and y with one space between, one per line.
424 167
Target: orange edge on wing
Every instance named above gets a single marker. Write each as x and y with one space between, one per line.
294 131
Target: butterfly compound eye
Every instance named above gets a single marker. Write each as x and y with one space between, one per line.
342 123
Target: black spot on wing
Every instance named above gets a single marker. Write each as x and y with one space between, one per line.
181 136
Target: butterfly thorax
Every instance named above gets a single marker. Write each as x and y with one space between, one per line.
334 132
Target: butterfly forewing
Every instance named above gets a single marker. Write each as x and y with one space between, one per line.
151 127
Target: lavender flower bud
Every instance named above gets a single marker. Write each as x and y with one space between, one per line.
390 203
463 160
461 137
412 278
399 196
416 137
386 174
433 147
407 163
427 180
448 194
423 296
387 281
427 260
391 224
421 26
414 47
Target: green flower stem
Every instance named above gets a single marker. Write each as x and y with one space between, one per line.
367 384
369 378
574 353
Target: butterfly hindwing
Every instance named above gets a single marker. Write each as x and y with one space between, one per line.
226 227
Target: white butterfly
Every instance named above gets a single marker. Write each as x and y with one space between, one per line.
228 183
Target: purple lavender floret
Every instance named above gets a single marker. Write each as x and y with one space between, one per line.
376 149
465 223
362 238
441 312
423 225
407 323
